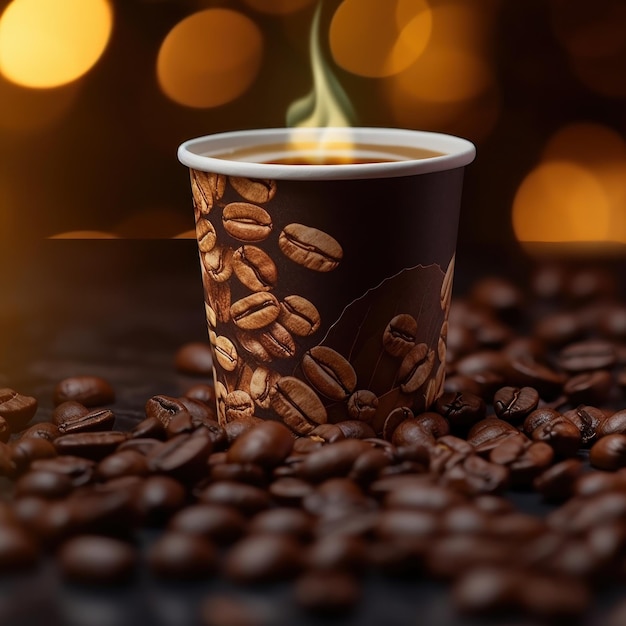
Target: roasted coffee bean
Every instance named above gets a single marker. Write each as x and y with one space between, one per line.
246 222
337 498
68 410
94 420
91 445
329 372
194 358
400 335
276 342
327 593
263 558
253 189
247 499
205 235
255 310
79 469
333 459
226 353
588 420
289 490
254 268
462 410
464 518
589 387
362 405
561 434
203 392
25 451
156 499
448 451
283 520
475 475
150 427
538 418
297 405
122 463
181 556
18 549
489 430
310 247
218 265
249 473
356 429
394 419
219 523
609 452
415 368
235 429
43 484
558 328
582 356
329 433
513 404
163 408
207 187
41 430
368 465
97 560
615 423
17 409
91 391
299 316
143 445
525 460
267 445
183 457
556 483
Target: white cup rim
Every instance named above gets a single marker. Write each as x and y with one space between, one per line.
203 153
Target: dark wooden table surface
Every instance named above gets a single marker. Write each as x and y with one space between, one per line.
121 309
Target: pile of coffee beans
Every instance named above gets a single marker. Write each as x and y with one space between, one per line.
534 403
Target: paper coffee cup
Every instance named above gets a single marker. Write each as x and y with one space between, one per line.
327 287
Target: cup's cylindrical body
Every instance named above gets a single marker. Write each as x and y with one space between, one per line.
327 298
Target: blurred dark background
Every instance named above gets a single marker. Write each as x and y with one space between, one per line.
96 95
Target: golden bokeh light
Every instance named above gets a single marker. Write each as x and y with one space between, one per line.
47 43
278 7
445 74
377 39
210 58
28 110
451 86
561 201
601 150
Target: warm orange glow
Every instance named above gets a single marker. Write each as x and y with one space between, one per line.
154 223
46 43
188 234
602 151
561 201
451 86
377 39
23 109
210 58
84 234
445 74
278 7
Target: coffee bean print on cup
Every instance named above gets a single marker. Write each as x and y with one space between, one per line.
329 372
399 336
246 221
310 247
254 268
254 190
297 405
